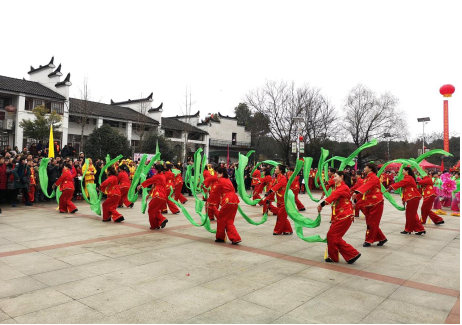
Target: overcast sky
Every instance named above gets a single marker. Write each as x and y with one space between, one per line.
223 49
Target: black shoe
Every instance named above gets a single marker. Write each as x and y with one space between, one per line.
75 211
164 212
108 220
420 233
184 202
439 223
382 242
356 216
354 259
177 212
304 209
154 228
120 219
61 212
366 244
120 206
328 260
287 233
275 234
219 240
29 204
0 211
131 205
404 232
236 242
164 223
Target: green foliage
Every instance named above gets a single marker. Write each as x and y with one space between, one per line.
106 140
166 148
39 128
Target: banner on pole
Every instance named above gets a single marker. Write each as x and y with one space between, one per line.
446 126
294 147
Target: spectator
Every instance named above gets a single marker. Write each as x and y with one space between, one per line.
21 175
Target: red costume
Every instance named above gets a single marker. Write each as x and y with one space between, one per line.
428 193
371 198
156 219
213 200
257 189
295 187
311 179
342 217
124 184
32 184
179 197
411 198
111 187
268 182
227 214
66 186
359 206
170 183
282 224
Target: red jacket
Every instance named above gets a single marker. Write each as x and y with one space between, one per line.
280 188
211 184
66 181
158 186
426 185
295 184
409 186
341 204
111 186
330 184
256 178
225 190
358 182
3 177
370 191
169 179
178 179
123 179
206 173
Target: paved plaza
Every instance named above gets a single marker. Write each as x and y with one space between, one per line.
65 268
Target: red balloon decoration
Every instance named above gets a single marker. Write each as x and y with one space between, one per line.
300 138
10 109
447 90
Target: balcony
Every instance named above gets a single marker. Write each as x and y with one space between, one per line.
224 143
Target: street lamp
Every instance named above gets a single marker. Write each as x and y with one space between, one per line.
298 120
388 136
424 121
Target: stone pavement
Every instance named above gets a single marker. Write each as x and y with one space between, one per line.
64 268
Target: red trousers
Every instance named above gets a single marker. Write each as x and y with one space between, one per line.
335 242
65 201
172 206
124 196
178 196
437 203
359 207
412 218
426 211
455 204
297 201
269 207
155 212
110 208
212 210
282 223
257 196
373 216
225 223
32 193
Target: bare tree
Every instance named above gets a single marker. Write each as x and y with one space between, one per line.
186 110
141 126
370 117
82 109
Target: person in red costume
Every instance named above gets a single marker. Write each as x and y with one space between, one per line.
359 181
156 219
279 189
267 181
429 194
311 179
66 186
178 181
111 188
342 217
257 189
411 198
330 183
295 187
369 196
32 184
213 199
229 206
170 183
124 183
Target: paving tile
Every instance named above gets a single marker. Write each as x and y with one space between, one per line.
8 321
65 251
427 299
272 271
237 312
34 263
87 287
370 286
84 258
106 266
116 301
142 258
7 272
323 275
63 276
233 285
11 247
164 285
72 312
287 319
32 301
18 286
3 316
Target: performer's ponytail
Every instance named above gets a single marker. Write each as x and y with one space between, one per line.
410 172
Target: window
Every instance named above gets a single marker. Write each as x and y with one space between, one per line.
57 107
94 121
114 124
168 133
38 102
29 104
124 125
234 139
4 102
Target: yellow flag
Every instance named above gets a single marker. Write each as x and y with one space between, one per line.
51 147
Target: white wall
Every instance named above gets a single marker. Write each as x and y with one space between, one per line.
224 130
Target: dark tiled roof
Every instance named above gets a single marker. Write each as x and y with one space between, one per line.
49 65
172 123
183 116
57 72
156 109
223 116
149 98
27 87
111 111
65 81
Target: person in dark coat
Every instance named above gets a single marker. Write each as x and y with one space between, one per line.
21 175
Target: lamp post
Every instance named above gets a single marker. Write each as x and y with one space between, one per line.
424 121
298 120
388 136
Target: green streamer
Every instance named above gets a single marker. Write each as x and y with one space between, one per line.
143 176
240 181
132 192
255 223
306 175
268 162
356 152
43 177
431 153
94 201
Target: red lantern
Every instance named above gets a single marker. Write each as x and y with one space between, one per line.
300 138
10 109
447 90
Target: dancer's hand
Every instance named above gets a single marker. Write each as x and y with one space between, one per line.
319 208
